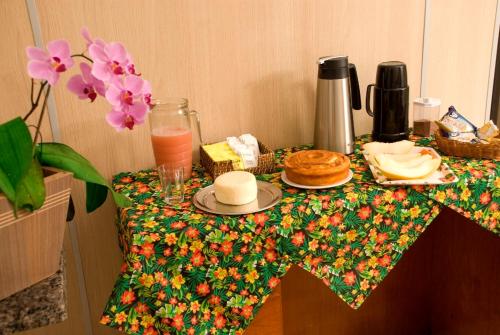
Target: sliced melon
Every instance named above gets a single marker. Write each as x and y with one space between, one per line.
397 170
399 161
400 147
406 157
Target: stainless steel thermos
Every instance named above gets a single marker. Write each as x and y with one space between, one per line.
336 95
390 103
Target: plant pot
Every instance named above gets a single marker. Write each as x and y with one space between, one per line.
31 244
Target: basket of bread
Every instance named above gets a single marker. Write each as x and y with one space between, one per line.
457 136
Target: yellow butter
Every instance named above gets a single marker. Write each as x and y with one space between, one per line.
222 152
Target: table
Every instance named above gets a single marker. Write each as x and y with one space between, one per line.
189 272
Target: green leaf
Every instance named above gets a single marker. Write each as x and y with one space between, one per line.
99 194
30 192
120 199
63 157
16 154
6 187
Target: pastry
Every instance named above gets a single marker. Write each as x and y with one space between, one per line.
316 167
235 188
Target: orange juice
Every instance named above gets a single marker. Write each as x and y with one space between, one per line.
173 146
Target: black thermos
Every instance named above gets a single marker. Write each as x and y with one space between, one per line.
390 102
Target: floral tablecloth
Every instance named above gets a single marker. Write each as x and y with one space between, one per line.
188 272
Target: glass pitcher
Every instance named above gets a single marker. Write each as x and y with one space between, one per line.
172 125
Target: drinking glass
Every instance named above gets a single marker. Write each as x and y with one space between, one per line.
172 183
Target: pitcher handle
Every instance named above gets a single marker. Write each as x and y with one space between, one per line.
368 99
198 123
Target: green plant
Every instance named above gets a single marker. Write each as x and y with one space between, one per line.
111 75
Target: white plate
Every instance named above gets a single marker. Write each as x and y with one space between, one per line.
307 187
437 178
268 195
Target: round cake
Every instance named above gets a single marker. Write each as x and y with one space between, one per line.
316 167
235 188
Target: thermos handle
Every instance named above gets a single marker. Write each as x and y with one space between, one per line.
355 93
368 99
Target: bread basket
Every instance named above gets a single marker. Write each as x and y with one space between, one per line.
265 163
470 150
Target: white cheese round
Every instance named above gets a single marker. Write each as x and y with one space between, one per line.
235 188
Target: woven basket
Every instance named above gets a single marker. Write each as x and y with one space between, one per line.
470 150
265 163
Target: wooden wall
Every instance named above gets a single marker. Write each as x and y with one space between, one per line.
460 43
14 80
246 66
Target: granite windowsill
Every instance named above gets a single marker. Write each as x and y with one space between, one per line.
39 305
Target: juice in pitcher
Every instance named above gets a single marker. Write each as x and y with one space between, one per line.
172 135
173 146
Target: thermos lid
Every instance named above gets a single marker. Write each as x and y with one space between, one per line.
392 75
427 102
333 67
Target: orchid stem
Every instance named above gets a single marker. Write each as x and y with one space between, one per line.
42 113
32 90
82 55
34 104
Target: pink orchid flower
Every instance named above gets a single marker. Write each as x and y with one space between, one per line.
47 66
86 85
146 94
125 93
86 35
131 67
110 60
128 116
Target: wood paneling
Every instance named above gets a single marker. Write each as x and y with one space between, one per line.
269 319
247 66
466 273
460 41
14 94
14 80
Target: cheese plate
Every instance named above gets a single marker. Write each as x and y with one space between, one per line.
268 195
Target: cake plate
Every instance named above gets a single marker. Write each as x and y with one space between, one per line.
268 195
309 187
